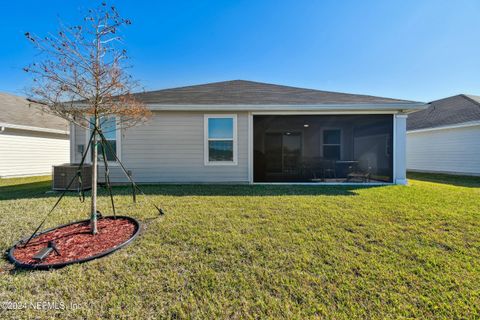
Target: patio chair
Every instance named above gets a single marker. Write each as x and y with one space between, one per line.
356 173
329 169
324 168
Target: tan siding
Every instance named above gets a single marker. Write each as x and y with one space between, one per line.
28 153
170 148
449 150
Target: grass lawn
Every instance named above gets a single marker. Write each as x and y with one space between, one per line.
263 252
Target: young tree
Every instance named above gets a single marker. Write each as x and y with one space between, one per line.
80 76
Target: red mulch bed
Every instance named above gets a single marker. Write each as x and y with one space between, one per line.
76 242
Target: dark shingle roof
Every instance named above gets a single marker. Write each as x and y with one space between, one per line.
449 111
238 92
19 111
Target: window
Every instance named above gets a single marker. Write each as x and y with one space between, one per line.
109 128
220 139
332 144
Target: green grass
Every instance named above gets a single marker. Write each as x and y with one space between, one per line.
263 252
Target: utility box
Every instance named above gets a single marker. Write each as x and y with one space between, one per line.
64 173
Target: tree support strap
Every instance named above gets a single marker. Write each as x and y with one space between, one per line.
80 187
134 185
64 191
45 252
107 176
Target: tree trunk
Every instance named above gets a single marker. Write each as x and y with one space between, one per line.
93 216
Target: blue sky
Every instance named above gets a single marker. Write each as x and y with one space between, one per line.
417 50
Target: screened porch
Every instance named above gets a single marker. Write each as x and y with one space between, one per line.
323 148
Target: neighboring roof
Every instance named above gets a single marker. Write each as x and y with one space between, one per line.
23 114
241 92
449 111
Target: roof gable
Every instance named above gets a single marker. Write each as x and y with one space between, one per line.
19 111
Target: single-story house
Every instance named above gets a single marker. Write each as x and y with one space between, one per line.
445 138
31 141
249 132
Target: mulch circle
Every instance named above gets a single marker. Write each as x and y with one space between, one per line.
76 243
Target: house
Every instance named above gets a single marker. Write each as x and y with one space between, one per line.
30 140
445 138
249 132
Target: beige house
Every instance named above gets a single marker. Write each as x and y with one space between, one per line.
250 132
31 142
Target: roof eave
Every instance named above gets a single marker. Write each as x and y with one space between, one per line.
446 127
31 128
399 107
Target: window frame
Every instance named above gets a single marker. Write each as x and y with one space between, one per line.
118 139
340 145
206 139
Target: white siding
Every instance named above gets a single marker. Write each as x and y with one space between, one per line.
454 150
170 148
29 153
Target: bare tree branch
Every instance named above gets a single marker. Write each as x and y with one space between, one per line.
81 71
80 76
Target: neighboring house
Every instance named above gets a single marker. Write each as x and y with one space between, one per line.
445 138
250 132
30 140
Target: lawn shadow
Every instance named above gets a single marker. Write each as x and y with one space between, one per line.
38 189
187 190
454 180
25 190
42 189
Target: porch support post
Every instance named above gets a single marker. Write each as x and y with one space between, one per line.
400 147
250 148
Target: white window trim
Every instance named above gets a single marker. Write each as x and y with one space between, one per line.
206 117
332 144
118 137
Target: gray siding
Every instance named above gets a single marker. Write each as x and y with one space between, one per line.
455 150
79 138
170 148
